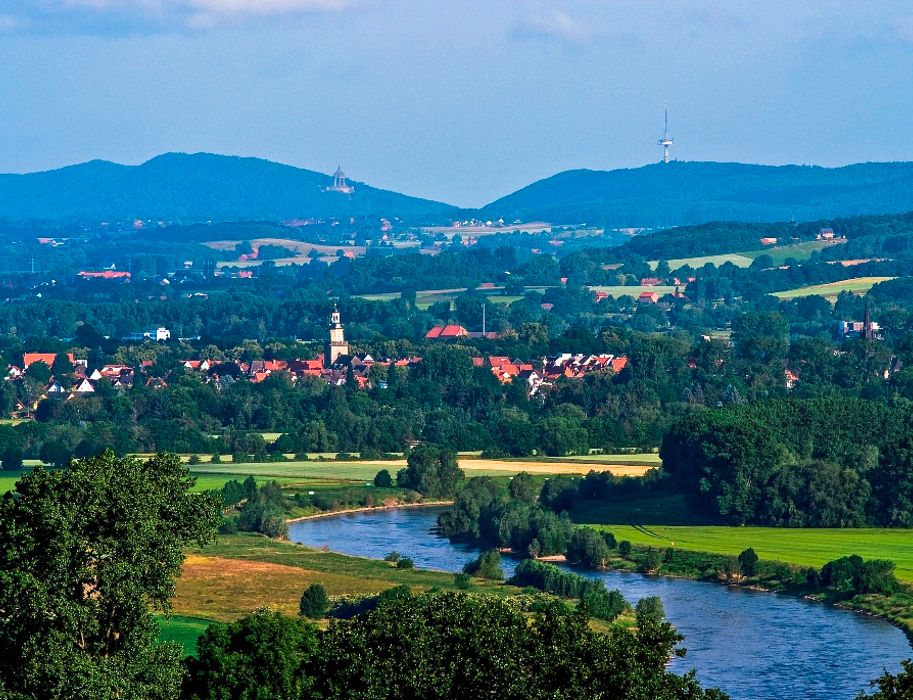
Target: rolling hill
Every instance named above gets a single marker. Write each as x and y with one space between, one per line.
194 188
686 193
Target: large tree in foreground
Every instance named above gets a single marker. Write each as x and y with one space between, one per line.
88 554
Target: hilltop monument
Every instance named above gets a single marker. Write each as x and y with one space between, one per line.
339 183
336 344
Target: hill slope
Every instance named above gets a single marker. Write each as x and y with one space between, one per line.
681 193
195 187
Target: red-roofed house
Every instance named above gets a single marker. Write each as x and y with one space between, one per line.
105 275
648 298
450 330
650 281
46 357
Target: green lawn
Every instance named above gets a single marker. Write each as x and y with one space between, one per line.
857 285
183 630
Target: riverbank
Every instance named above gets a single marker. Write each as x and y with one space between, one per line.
779 577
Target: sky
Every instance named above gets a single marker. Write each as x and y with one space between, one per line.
457 100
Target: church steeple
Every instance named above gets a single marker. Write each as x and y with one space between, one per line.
336 344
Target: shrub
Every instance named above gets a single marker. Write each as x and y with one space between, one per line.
748 562
651 561
488 565
344 457
383 480
463 581
314 601
194 459
393 557
624 548
405 563
228 526
599 602
216 459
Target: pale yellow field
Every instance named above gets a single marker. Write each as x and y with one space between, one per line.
474 467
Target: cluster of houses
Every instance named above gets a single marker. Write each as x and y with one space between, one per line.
360 367
550 369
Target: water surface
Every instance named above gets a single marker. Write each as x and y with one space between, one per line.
753 645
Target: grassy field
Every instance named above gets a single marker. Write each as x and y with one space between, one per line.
633 290
737 259
664 521
779 254
239 573
857 285
332 474
183 630
806 547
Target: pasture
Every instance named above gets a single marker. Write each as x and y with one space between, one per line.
633 290
805 547
240 573
830 291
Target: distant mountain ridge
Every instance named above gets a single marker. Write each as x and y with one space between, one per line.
193 188
201 187
683 193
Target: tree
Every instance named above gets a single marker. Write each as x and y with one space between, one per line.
649 610
314 601
264 656
893 686
488 565
383 480
523 487
432 471
88 555
748 562
454 645
588 548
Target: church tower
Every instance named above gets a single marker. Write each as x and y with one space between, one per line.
336 344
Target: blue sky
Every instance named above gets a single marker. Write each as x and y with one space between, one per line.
458 100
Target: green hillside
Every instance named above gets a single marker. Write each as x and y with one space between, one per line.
196 188
682 193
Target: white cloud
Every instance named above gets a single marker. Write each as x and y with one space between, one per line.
558 26
152 15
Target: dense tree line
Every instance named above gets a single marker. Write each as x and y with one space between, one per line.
811 463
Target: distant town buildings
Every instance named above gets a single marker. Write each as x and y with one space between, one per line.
158 335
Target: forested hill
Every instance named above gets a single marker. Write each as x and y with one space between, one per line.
197 187
682 193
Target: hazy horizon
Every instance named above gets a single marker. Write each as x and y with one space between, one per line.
462 102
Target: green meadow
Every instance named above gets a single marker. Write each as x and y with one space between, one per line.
857 285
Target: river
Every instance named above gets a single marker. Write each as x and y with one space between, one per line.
753 645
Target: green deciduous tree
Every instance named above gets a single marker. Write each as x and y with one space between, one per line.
314 601
87 554
431 470
264 656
